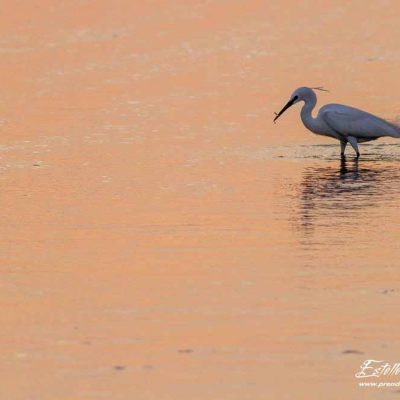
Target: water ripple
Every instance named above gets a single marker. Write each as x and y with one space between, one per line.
335 195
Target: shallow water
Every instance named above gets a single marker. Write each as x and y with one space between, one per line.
161 237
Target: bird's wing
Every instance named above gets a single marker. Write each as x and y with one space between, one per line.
349 121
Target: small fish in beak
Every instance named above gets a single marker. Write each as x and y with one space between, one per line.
288 104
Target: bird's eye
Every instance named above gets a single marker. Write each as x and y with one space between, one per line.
295 98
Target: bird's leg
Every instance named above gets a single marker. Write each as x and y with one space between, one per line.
343 144
353 141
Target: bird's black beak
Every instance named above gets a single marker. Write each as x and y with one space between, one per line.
288 104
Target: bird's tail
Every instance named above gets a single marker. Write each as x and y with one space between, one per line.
395 124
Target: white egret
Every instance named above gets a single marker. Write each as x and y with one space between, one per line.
344 123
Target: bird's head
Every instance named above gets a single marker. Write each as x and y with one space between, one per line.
300 94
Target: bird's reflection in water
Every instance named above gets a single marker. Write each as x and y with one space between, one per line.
333 196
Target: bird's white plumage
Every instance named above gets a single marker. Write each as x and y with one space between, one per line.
349 121
344 123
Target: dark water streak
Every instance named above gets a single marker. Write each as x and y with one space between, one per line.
336 196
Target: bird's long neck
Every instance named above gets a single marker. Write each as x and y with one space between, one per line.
306 114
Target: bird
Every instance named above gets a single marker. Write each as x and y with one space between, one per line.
344 123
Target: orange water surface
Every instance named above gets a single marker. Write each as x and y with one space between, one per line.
161 238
